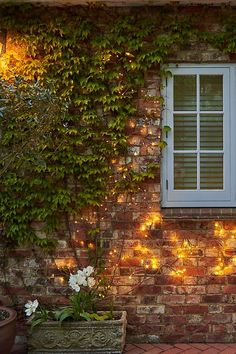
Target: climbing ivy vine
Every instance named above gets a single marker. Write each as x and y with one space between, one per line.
66 103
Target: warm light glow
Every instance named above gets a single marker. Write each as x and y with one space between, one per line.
65 263
143 227
91 246
121 198
59 280
132 124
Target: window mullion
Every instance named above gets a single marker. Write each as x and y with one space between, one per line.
198 132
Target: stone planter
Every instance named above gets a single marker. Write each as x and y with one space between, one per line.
79 337
7 329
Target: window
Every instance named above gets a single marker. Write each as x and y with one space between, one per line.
199 162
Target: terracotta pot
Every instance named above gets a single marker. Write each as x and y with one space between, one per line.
7 330
104 337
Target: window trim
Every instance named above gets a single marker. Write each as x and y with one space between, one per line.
227 197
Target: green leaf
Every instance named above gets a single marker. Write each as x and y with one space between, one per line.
166 129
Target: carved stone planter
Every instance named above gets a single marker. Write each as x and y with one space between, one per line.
106 337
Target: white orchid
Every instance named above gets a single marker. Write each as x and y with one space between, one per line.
81 278
73 282
91 282
88 271
30 307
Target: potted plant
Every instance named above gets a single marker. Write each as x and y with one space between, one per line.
7 329
78 327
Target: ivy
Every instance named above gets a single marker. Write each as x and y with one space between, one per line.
65 106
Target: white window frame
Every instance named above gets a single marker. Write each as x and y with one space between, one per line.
202 198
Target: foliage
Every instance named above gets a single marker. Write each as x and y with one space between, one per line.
90 72
30 120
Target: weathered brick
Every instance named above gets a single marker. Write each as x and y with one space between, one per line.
195 319
213 289
218 318
215 308
181 320
153 318
193 299
197 328
159 309
190 280
190 289
229 308
212 298
170 299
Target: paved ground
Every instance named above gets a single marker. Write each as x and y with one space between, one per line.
194 348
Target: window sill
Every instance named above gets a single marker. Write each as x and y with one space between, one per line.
198 213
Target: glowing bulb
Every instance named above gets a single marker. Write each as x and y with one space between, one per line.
91 246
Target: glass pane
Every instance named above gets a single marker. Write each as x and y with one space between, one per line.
185 132
211 171
185 171
211 92
211 131
185 93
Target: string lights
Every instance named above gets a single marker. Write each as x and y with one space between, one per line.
226 263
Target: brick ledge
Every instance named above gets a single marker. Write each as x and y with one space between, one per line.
198 213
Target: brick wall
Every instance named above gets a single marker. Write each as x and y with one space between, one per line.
173 270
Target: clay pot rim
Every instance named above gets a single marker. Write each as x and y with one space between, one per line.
11 318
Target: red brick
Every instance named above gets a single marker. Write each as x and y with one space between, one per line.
195 309
147 289
153 319
145 346
229 225
228 351
181 320
213 289
229 308
232 279
135 319
219 329
197 328
174 309
197 272
10 290
218 318
197 337
200 346
154 351
230 289
212 298
183 346
215 280
170 299
191 289
135 351
192 351
172 351
167 280
210 351
168 289
193 299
